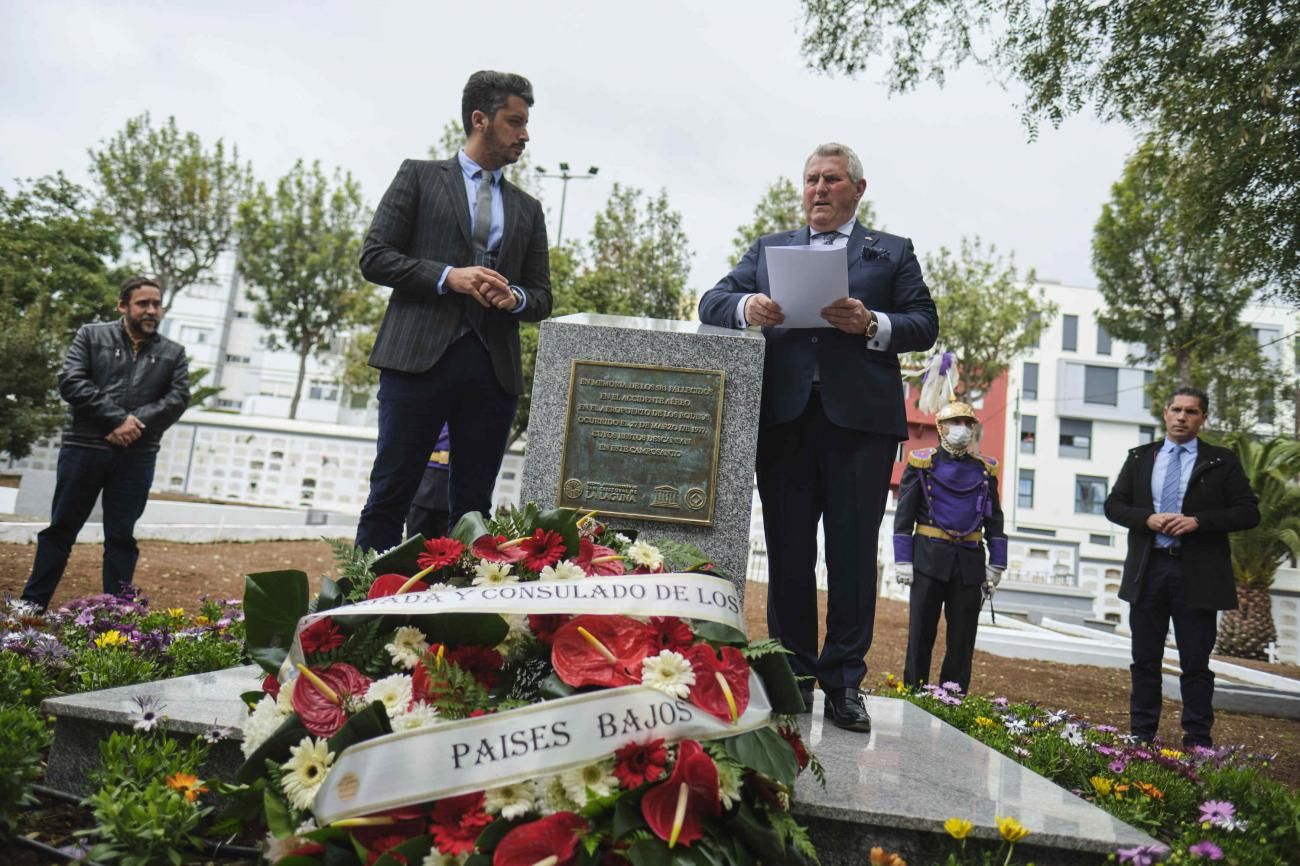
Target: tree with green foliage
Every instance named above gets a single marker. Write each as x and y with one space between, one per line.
781 208
1272 467
299 248
1218 80
173 198
989 314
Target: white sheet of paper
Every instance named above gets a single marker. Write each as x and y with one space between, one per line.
803 280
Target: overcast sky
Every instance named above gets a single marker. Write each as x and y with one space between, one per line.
710 101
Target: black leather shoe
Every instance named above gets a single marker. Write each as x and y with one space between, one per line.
846 709
807 695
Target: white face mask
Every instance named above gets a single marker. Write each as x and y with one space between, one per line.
958 436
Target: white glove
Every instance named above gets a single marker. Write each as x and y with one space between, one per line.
988 588
903 573
993 574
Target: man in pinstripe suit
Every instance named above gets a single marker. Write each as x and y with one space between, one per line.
465 254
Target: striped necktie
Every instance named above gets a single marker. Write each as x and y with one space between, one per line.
1171 497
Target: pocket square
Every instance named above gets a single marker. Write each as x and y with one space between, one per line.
871 254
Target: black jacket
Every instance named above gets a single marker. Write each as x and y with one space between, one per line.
1218 496
103 383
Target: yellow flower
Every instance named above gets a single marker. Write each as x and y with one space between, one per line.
112 637
1038 724
1101 785
958 828
1011 829
176 612
202 620
984 721
1150 790
1173 754
187 785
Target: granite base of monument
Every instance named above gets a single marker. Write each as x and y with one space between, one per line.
647 426
893 788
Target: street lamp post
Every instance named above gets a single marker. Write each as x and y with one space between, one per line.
564 177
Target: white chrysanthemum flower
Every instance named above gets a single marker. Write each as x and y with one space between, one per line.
265 718
563 571
440 586
728 783
275 849
393 691
493 574
552 797
305 770
668 672
509 801
646 555
593 780
420 715
408 645
518 634
437 858
620 538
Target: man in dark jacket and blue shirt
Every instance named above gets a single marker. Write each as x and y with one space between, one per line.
951 498
125 384
1179 498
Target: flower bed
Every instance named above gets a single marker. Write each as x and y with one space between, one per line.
533 689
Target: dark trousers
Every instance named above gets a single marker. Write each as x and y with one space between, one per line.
961 611
1159 600
460 391
810 469
124 476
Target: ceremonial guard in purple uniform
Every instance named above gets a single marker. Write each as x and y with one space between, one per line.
951 498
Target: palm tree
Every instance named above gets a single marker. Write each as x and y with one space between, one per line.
1272 468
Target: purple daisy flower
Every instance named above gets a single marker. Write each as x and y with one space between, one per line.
1206 849
1143 855
1217 812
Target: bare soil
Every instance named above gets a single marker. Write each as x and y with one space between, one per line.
178 575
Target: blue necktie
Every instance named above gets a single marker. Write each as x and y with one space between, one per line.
1171 499
826 237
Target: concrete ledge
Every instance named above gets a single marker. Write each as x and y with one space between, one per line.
15 532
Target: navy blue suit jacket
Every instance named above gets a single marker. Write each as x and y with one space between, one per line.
860 388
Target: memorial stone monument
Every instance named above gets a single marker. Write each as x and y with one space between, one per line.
651 422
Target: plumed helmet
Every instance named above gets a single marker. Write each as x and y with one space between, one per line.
956 409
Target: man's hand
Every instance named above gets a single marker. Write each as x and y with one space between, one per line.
127 432
903 573
993 575
1158 522
988 588
484 285
762 310
848 315
1181 524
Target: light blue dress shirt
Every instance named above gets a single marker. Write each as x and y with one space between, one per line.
1158 472
473 174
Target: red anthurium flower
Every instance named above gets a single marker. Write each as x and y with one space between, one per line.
555 836
675 810
545 625
638 763
321 636
672 633
380 845
271 685
545 547
493 548
597 560
456 822
440 553
721 687
320 695
384 830
481 662
427 680
593 650
389 584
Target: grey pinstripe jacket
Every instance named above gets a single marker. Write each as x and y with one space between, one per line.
421 226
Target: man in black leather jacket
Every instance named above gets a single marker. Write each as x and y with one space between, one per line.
125 384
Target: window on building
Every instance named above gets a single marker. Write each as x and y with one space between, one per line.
242 314
193 335
1029 383
1147 378
1146 433
1070 334
1026 490
223 403
323 391
1076 438
1028 433
1034 530
359 400
1101 385
1103 340
1089 494
1103 540
1032 320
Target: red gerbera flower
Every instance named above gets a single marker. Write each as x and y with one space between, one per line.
321 636
440 553
608 654
389 584
320 696
553 836
455 823
675 809
545 625
545 547
791 736
638 763
481 662
597 560
493 549
672 633
715 680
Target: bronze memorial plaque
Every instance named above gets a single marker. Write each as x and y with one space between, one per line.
642 441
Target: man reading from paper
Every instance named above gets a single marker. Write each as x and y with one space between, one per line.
831 419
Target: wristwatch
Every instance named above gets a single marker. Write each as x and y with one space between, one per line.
872 327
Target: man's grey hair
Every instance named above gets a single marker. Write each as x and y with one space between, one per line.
832 148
